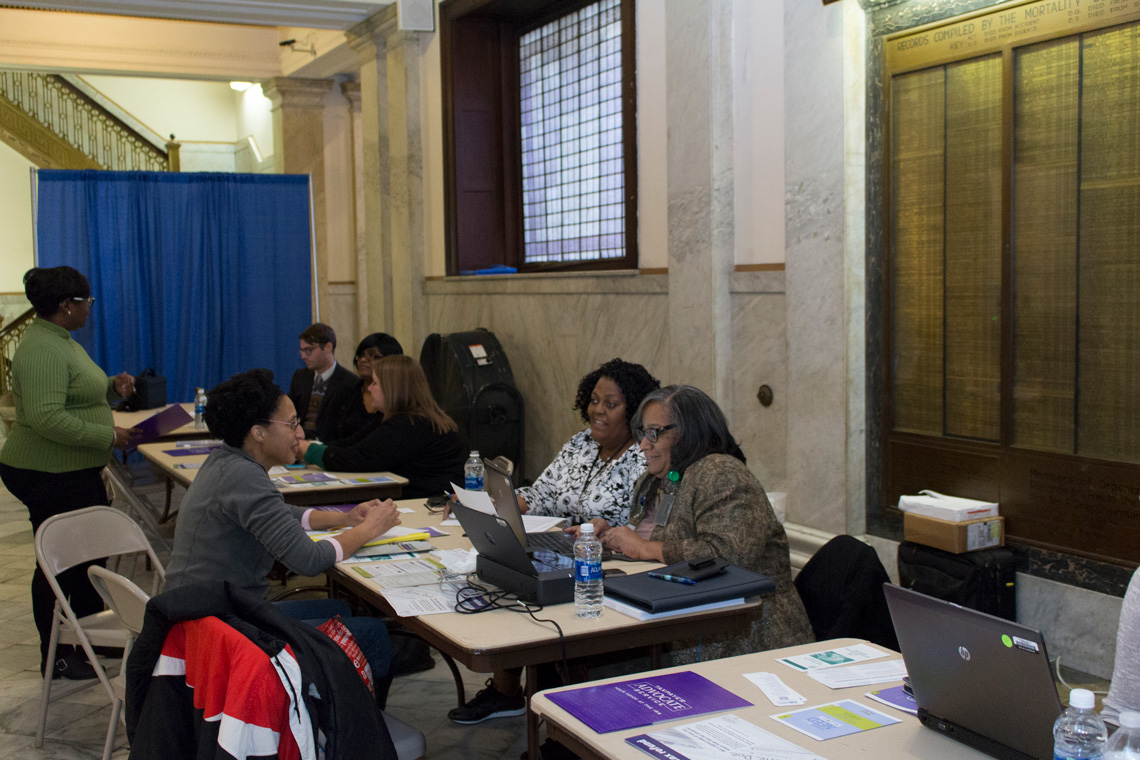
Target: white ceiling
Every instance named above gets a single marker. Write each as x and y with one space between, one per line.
319 14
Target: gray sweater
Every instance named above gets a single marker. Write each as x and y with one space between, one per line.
232 525
1124 694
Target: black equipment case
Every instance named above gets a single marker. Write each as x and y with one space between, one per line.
471 378
982 580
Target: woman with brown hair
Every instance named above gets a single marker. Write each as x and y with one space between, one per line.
408 435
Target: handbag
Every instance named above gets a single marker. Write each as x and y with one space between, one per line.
150 392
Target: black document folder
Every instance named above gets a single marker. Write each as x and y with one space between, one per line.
658 595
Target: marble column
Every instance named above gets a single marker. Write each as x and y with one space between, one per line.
298 139
700 175
351 92
815 269
368 40
392 128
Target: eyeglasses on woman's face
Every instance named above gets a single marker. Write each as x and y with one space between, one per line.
651 433
293 423
89 300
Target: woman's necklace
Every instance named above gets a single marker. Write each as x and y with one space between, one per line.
611 460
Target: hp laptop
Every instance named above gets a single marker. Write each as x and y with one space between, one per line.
498 484
979 679
541 576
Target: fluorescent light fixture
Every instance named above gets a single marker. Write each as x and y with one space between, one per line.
240 86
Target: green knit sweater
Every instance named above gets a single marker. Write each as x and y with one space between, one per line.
63 418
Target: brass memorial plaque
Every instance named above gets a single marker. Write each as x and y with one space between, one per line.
1010 24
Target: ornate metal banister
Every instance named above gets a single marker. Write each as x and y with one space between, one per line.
81 122
10 335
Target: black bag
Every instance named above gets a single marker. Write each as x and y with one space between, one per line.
150 392
982 580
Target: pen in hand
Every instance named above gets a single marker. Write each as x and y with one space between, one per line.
673 578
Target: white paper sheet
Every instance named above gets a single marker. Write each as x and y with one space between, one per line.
860 675
725 737
421 600
777 692
829 658
480 501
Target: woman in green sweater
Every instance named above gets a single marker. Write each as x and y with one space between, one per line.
62 437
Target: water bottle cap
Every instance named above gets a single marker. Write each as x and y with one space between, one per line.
1129 719
586 528
474 453
1082 699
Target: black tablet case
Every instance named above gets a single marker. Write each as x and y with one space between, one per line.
657 595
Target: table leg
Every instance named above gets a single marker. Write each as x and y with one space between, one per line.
169 496
533 752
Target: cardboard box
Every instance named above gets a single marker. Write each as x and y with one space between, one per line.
952 508
955 537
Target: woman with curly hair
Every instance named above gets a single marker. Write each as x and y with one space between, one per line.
591 480
234 523
592 477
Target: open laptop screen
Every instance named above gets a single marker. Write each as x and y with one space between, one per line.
980 679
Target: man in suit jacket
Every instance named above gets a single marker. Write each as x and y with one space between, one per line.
323 392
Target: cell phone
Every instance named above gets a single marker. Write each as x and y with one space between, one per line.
703 567
612 571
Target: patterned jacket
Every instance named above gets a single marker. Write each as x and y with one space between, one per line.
721 509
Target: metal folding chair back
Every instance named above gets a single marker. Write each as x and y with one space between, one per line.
128 602
70 539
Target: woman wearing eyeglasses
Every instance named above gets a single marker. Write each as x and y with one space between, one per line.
62 437
370 350
698 499
233 523
409 435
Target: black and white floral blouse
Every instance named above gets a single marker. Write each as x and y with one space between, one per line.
579 485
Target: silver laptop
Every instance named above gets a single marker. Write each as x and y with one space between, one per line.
502 492
979 679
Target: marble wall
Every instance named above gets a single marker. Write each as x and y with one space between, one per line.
556 328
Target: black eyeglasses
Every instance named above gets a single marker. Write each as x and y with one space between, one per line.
89 300
651 433
306 350
293 423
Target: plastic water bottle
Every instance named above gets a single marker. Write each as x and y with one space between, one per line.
1079 734
1125 743
473 472
587 573
199 408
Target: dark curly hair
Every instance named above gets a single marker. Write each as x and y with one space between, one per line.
234 406
633 380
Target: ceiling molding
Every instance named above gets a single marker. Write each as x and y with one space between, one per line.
320 14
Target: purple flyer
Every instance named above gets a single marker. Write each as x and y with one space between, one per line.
646 701
196 451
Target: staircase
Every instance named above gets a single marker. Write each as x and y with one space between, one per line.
56 126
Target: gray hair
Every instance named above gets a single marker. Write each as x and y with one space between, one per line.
701 426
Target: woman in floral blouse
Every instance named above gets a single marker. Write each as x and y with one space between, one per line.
591 479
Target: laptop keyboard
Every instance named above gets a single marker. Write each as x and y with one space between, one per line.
559 543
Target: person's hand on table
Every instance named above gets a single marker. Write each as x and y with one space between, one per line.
360 511
124 437
600 527
624 541
124 384
380 518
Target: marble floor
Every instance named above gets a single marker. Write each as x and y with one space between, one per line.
77 723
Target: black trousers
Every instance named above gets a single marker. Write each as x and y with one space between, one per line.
53 493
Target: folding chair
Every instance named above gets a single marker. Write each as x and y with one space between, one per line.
128 602
70 539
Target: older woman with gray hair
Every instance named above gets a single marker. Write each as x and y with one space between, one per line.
696 499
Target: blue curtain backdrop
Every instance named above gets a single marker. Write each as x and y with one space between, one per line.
198 275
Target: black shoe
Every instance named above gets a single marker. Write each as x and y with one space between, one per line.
74 667
488 703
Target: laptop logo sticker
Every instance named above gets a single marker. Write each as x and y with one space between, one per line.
1025 644
1005 639
964 653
